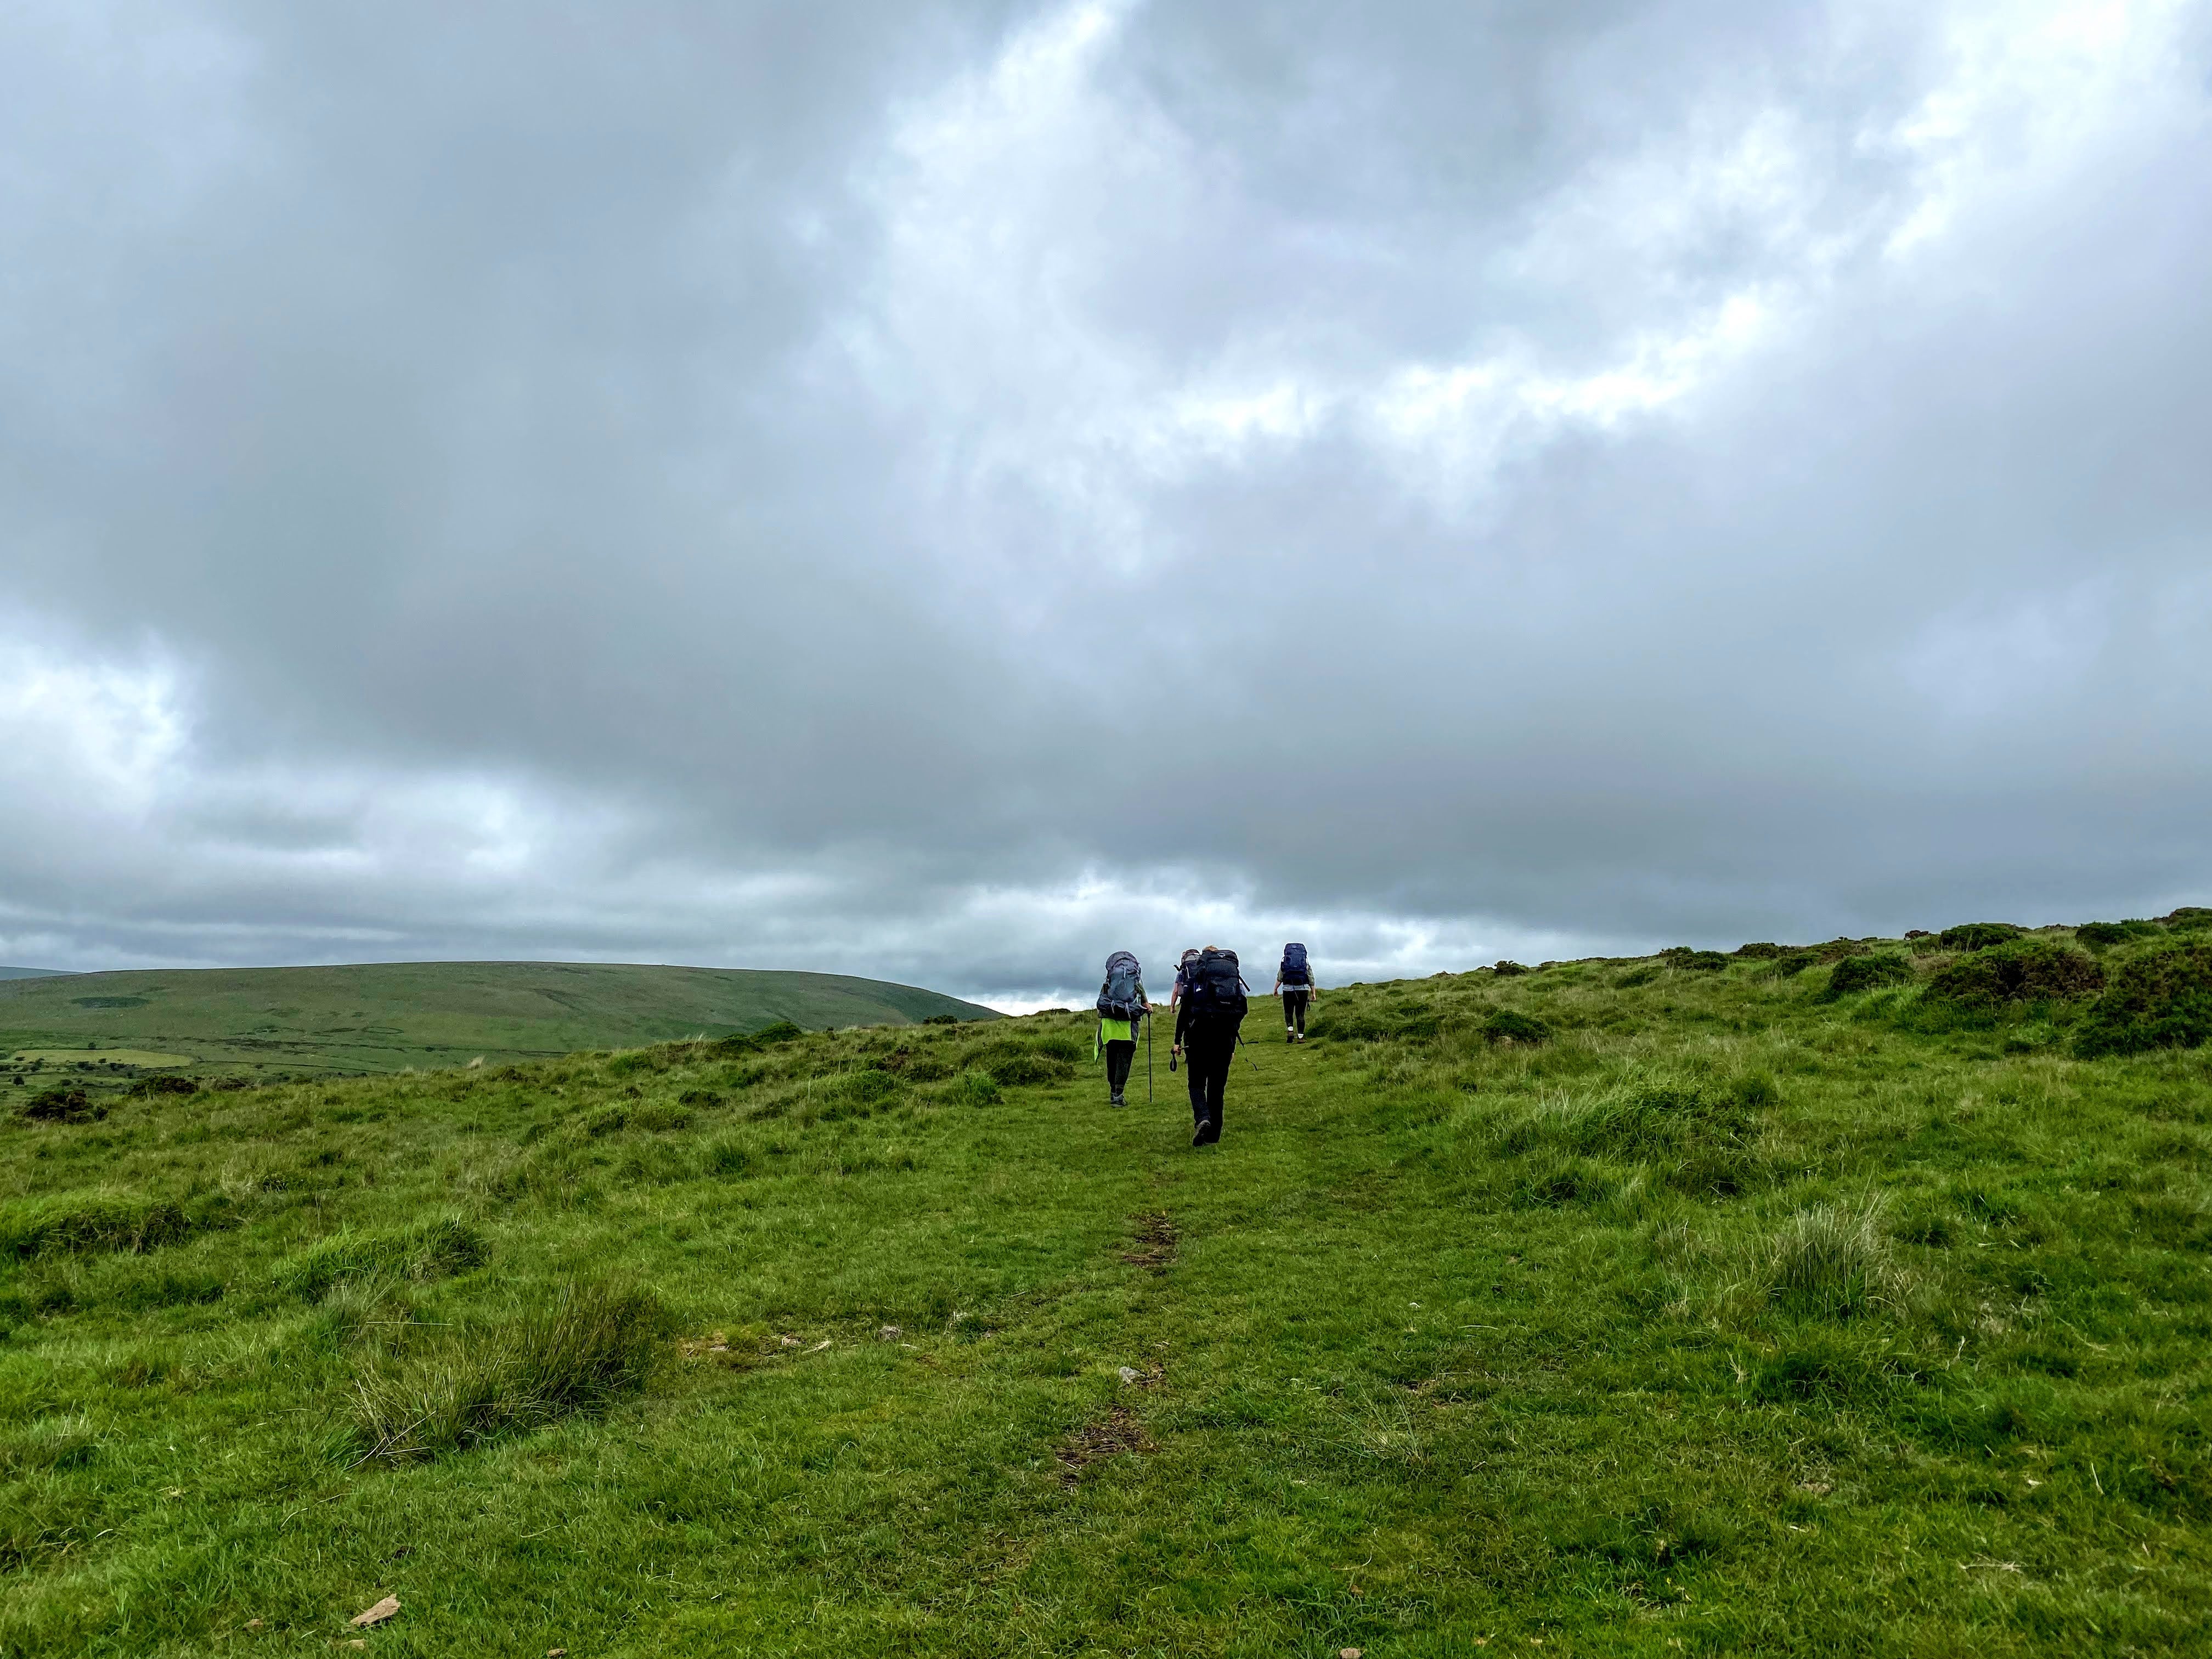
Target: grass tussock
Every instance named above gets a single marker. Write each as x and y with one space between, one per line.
437 1249
79 1223
1834 1261
578 1350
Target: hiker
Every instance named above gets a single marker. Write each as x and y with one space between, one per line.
1207 1019
1182 969
1295 984
1121 1005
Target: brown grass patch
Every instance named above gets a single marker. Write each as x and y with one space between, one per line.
1109 1436
1153 1245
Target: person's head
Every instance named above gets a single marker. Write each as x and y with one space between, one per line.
1188 956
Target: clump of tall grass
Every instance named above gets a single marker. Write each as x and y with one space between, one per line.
79 1222
437 1249
579 1349
1833 1261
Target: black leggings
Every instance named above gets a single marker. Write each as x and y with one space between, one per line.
1120 1056
1294 1007
1207 1056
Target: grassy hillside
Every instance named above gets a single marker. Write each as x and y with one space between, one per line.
28 973
106 1031
1699 1305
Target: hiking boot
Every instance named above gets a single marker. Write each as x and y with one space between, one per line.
1209 1133
1117 1101
1289 1036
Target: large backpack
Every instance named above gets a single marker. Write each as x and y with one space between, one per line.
1293 971
1123 995
1214 988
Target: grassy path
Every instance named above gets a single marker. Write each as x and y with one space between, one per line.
1444 1349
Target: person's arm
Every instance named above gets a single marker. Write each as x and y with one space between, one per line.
1182 1020
1276 989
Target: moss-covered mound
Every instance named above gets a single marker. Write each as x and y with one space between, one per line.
2159 999
2025 970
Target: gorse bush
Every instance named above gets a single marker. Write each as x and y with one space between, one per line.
68 1103
2103 935
1855 974
2161 998
578 1350
1978 935
1832 1260
2024 971
1510 1026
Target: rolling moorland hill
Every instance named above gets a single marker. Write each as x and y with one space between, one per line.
1855 1300
107 1032
29 973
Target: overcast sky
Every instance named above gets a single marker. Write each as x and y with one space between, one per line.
940 492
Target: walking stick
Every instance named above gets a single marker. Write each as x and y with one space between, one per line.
1148 1058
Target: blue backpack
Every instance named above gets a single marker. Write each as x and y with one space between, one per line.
1123 995
1294 970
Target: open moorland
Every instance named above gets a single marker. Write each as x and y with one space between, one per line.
109 1032
1852 1300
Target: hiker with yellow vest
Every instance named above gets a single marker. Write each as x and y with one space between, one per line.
1121 1004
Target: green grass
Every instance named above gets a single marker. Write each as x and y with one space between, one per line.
1722 1317
107 1032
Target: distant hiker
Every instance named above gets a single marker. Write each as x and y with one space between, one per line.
1295 984
1207 1019
1121 1005
1183 969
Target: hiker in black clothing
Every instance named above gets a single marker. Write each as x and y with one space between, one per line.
1207 1019
1295 984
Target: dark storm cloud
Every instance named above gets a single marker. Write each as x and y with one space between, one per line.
943 491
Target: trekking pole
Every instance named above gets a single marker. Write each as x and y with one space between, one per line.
1148 1060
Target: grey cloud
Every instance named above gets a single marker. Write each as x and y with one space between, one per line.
932 492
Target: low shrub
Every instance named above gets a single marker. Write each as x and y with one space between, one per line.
67 1103
1833 1261
1510 1025
2188 918
2024 971
2103 935
1701 962
1791 963
1855 974
1978 935
76 1223
437 1249
2159 999
1761 951
1507 970
165 1083
580 1350
752 1042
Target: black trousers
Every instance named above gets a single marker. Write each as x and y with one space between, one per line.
1208 1053
1120 1056
1294 1007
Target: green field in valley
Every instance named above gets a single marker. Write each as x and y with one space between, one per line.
1848 1301
96 1029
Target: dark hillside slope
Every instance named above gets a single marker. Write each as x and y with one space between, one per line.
1633 1309
385 1016
30 973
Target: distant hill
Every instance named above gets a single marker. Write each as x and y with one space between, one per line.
385 1016
32 973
